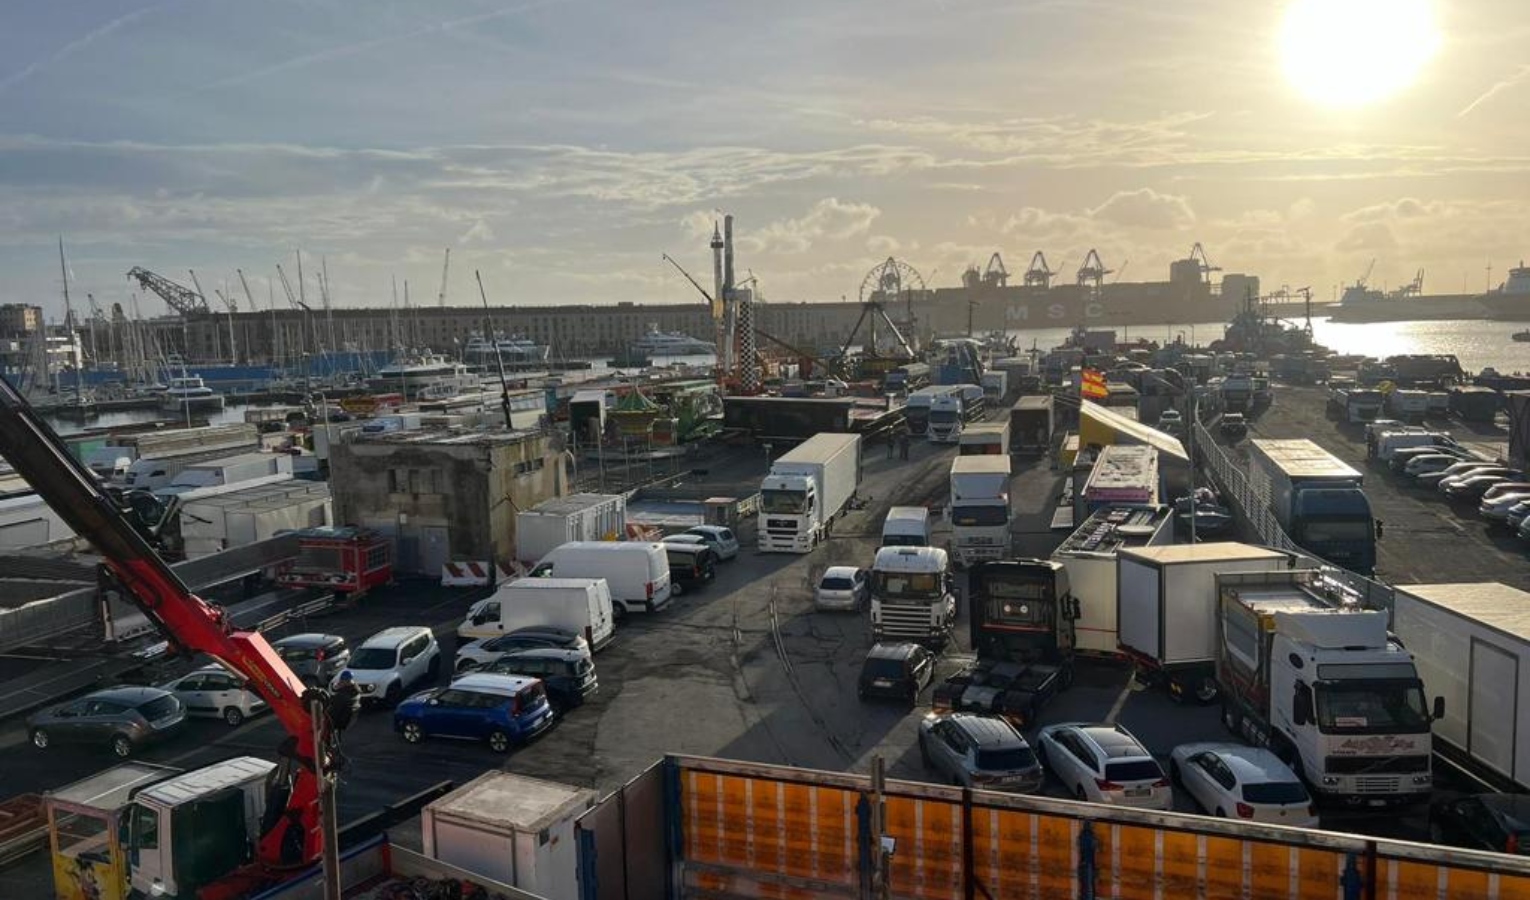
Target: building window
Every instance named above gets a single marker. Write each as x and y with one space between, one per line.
528 466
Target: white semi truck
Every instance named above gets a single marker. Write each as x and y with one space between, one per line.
806 488
979 512
912 595
1324 687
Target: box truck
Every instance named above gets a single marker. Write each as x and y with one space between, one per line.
1030 424
1471 643
806 488
979 510
1323 686
227 470
580 605
984 439
577 517
1089 556
1317 500
1166 610
212 523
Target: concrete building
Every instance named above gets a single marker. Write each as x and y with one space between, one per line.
445 496
17 320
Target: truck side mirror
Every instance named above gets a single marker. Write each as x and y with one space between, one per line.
1379 529
1301 706
1439 707
1075 611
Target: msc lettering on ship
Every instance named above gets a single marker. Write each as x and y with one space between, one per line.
1056 312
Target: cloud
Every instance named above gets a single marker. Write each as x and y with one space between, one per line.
829 219
78 44
1145 208
1372 236
1394 210
478 233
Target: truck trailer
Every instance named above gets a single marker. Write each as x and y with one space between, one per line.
228 470
1121 474
577 517
1317 500
210 524
1471 643
984 439
1089 556
806 488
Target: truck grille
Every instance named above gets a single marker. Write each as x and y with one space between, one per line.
906 621
1370 765
781 524
1378 784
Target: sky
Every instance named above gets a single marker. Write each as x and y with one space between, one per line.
559 147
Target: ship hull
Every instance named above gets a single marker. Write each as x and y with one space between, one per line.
1410 309
958 310
1506 307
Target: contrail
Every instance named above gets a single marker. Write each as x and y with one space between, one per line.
76 45
308 59
1511 81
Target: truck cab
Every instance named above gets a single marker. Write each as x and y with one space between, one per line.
789 508
979 512
912 595
1022 610
1337 525
946 419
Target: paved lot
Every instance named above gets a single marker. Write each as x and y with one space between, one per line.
743 669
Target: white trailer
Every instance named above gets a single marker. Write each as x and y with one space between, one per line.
228 470
511 828
1089 556
1166 610
28 521
577 517
214 523
1471 644
1122 474
806 488
984 439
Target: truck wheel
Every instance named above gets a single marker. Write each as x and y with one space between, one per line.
1207 690
40 739
1230 719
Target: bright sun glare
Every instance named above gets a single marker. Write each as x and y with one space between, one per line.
1347 53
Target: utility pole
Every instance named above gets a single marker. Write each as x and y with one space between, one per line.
328 820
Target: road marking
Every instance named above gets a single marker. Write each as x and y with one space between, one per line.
1126 692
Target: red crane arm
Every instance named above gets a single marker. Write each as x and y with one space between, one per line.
191 624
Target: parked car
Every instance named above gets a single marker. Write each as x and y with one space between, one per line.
122 719
1233 426
1234 781
1104 764
895 672
1524 530
485 653
1495 507
1496 822
215 691
391 661
691 567
845 588
1433 479
315 658
720 539
1401 457
568 676
1517 514
977 751
1426 463
501 710
1471 487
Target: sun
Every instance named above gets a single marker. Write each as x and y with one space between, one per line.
1349 53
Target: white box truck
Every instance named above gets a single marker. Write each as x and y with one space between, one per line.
979 510
1166 610
1471 643
577 517
984 439
806 488
516 830
580 605
1089 557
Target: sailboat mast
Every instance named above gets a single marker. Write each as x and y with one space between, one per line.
79 364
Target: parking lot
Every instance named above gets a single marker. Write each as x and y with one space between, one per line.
743 669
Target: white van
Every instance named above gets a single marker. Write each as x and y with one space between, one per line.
580 605
1392 441
637 572
906 526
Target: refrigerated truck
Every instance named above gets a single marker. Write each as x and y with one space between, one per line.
1471 643
256 512
1166 610
806 488
1317 499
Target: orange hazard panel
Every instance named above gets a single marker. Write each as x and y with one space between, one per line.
1128 856
1416 881
1270 869
928 859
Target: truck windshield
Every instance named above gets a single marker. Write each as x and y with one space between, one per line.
1336 530
943 416
906 585
979 515
783 502
1371 707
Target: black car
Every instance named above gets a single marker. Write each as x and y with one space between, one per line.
1234 427
315 658
1496 822
691 566
567 675
896 672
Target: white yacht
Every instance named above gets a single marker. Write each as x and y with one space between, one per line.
189 392
661 343
517 349
424 375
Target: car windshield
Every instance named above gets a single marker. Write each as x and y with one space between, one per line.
1371 707
373 658
836 583
157 708
1275 792
906 585
1133 770
783 502
883 668
979 515
1008 758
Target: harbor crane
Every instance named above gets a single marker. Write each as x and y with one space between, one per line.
1039 275
995 275
446 266
1198 255
178 297
1093 271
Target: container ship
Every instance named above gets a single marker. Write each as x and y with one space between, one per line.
1512 298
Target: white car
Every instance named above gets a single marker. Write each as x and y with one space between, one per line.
391 661
215 692
720 539
1500 498
1237 782
1429 462
845 588
1104 764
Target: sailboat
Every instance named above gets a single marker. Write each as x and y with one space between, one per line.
76 403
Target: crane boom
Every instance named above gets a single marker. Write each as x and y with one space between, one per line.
178 297
190 624
694 283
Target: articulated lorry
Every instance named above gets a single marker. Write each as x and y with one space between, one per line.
806 488
1317 499
1323 686
1471 643
912 595
979 510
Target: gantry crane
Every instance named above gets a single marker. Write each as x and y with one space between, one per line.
1039 275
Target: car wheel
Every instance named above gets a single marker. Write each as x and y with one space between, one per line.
676 589
233 716
122 747
394 694
412 731
40 739
499 742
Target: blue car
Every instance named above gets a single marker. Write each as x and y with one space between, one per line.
500 709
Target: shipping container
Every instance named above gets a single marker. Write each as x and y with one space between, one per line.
577 517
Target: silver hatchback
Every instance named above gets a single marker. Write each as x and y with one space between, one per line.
982 752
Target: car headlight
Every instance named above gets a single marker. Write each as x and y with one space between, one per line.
368 688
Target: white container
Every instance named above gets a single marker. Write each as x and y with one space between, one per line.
577 517
637 571
238 515
581 605
513 829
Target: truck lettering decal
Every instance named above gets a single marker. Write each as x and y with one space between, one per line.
1375 745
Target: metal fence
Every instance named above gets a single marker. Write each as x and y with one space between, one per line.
48 618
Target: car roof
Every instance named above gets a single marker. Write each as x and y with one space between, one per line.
1251 765
840 571
493 683
987 731
309 640
392 637
692 547
1114 741
716 530
692 539
542 631
892 651
130 695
